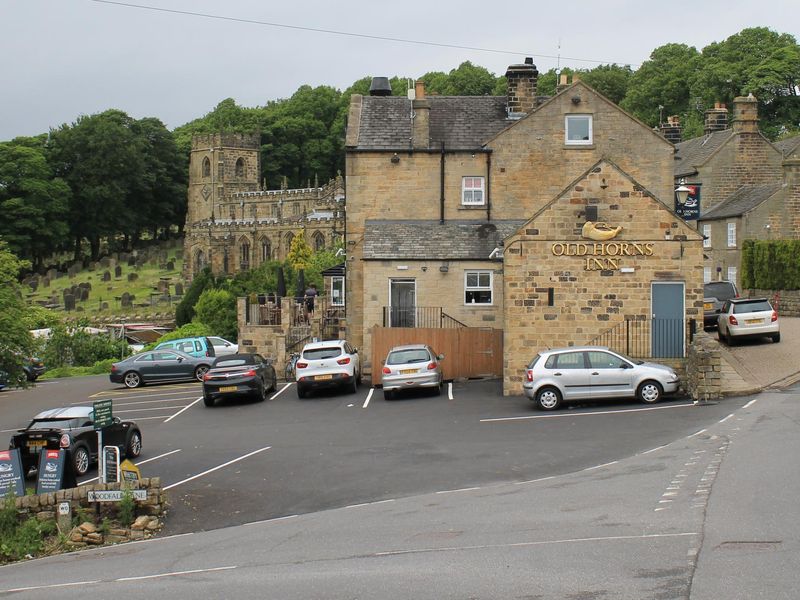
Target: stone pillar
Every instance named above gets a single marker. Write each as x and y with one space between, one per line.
704 369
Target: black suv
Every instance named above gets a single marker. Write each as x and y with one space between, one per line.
715 293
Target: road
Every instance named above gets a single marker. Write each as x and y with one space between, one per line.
437 498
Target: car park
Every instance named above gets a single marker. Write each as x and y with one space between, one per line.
748 318
333 363
222 346
593 373
200 347
72 429
158 366
238 375
414 366
715 293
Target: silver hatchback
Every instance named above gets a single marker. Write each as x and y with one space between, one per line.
411 366
594 372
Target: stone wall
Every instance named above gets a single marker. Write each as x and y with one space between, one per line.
148 515
704 369
788 301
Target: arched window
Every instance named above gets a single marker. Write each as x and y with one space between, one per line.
206 167
289 238
240 167
244 255
318 241
199 261
295 209
266 250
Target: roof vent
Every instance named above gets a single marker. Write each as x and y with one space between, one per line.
380 87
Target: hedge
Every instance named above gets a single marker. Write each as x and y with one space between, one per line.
771 264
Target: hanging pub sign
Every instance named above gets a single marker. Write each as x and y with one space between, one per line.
50 476
690 209
11 476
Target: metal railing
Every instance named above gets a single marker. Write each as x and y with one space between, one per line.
418 317
265 311
649 338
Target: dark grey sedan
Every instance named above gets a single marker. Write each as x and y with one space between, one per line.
159 366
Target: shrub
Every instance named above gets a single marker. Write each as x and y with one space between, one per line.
19 539
126 509
217 310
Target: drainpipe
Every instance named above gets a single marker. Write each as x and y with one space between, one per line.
441 187
489 187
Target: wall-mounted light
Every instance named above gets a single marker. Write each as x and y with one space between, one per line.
444 269
682 193
395 158
604 183
576 99
424 268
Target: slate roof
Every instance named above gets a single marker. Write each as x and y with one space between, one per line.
462 122
788 145
694 152
431 240
742 201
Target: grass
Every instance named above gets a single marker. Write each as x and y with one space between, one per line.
111 291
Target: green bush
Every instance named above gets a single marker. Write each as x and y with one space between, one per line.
771 264
19 539
217 310
78 348
126 509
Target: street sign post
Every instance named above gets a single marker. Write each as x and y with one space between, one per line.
103 417
110 464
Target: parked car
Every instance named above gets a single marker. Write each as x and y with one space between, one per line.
200 347
223 346
594 372
715 293
3 380
33 368
239 374
334 363
72 428
158 366
748 318
414 366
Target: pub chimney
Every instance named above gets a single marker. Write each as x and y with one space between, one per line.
522 82
716 119
421 117
745 114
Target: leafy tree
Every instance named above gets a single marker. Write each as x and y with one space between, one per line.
610 80
16 342
299 252
194 329
216 309
33 203
184 312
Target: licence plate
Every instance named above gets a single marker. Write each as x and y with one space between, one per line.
323 377
407 371
708 306
36 443
228 388
754 321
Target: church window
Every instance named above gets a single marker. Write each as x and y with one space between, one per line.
240 167
206 167
266 250
318 241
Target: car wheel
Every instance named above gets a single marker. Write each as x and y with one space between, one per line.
358 379
548 398
134 446
776 338
132 379
301 391
200 371
30 377
274 384
720 337
650 392
352 387
437 391
80 461
262 393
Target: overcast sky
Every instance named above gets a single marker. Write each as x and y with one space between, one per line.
63 58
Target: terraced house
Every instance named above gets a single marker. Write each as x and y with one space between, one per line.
491 227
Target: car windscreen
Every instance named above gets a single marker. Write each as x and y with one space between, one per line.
720 290
322 353
748 307
41 424
402 357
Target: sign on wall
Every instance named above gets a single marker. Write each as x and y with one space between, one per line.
690 211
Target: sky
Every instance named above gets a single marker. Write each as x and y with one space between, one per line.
61 59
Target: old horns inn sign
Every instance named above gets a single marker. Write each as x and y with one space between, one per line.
602 254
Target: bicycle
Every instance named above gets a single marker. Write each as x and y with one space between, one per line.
290 369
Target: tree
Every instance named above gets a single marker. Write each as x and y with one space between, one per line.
185 311
216 309
33 203
16 342
299 252
610 80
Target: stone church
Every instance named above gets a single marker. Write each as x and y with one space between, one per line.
233 224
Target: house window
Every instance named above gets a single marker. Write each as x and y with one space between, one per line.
706 236
337 290
478 287
472 191
731 235
732 274
578 130
706 274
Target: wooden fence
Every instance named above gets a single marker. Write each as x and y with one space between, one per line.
468 351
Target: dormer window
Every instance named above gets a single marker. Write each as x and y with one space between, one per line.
578 130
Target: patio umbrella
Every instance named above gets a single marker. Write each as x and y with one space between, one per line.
301 284
281 285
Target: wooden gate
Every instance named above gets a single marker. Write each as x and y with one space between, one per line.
468 351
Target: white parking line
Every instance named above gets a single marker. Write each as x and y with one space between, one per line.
608 464
132 410
230 462
654 449
183 409
469 489
749 404
450 391
279 392
131 396
698 432
175 573
48 587
192 397
587 414
369 396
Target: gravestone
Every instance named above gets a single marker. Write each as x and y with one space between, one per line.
45 282
106 276
179 289
86 285
83 294
92 266
133 276
60 274
170 266
51 273
117 272
126 300
124 257
163 286
69 302
131 261
105 262
104 306
34 283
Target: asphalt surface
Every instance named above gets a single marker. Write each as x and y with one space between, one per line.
709 514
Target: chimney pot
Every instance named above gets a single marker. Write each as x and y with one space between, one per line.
380 87
419 90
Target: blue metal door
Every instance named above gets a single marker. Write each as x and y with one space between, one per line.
667 323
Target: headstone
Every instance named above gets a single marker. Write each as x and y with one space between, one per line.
163 286
179 289
131 261
92 266
106 276
105 262
133 276
51 274
60 274
117 272
45 282
104 306
34 283
83 294
69 302
170 265
126 300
